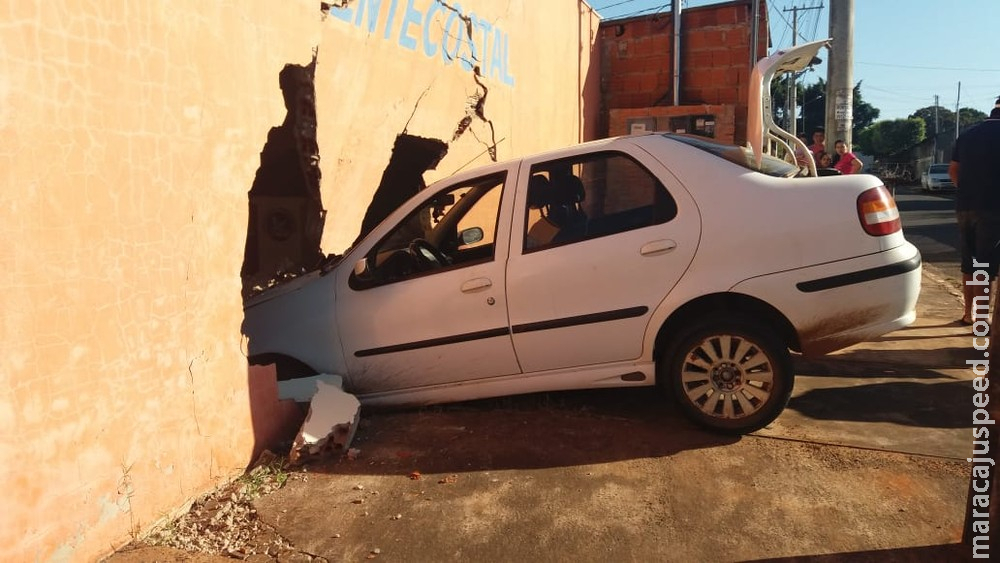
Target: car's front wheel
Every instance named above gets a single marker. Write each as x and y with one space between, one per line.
733 377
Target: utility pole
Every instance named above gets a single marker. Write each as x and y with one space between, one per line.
754 33
957 111
839 72
676 19
935 157
790 101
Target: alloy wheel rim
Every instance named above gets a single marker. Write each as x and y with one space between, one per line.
727 376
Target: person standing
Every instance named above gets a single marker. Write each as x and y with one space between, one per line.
819 141
975 171
847 163
800 151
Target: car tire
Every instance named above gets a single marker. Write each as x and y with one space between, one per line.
732 377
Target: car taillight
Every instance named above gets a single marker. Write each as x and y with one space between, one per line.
877 212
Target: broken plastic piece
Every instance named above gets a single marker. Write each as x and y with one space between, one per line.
330 424
303 389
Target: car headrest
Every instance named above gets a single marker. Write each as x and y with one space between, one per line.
567 190
538 191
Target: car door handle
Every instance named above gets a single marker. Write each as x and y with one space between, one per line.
657 247
476 284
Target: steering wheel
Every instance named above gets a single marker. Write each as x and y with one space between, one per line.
427 254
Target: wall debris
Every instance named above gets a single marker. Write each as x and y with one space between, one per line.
329 426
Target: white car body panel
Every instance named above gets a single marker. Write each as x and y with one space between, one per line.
443 305
863 310
565 283
297 320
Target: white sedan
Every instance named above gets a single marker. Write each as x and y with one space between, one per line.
654 259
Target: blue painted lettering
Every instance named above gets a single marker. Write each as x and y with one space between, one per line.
374 7
361 12
468 38
471 36
507 78
485 28
342 13
430 48
411 16
447 56
496 61
388 21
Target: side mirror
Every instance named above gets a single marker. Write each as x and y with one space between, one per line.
361 269
471 235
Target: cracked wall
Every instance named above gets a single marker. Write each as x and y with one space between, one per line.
132 133
132 136
492 79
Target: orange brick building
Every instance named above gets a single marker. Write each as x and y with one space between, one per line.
637 70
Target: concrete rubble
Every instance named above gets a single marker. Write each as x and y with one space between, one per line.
331 423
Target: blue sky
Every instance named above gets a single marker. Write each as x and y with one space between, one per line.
905 51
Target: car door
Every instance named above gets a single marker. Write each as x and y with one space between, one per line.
599 238
408 320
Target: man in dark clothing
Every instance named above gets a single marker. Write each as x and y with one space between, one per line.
975 170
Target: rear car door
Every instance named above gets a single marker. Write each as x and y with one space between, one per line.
598 240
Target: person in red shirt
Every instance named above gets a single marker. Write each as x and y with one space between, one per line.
819 142
847 163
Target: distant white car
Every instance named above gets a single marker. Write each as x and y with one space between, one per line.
936 178
652 259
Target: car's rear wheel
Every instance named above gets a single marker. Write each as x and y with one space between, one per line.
729 376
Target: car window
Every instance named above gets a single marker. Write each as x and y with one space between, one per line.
590 196
939 169
455 227
743 156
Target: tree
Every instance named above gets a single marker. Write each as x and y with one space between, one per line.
864 113
812 111
779 92
888 137
946 119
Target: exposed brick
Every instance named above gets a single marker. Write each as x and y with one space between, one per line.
698 59
649 82
727 15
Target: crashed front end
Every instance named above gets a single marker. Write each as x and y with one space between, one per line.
294 326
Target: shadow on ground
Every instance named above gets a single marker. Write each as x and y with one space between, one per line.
930 405
523 432
912 362
947 552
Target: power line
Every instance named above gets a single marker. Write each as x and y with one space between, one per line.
931 67
655 10
615 4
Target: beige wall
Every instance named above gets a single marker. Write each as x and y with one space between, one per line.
131 133
373 85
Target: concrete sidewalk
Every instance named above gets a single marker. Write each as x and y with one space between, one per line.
866 464
909 391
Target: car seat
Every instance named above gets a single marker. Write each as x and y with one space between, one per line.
563 208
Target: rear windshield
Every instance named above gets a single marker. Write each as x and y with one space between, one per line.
939 168
742 156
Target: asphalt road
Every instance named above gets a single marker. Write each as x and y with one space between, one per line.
929 223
